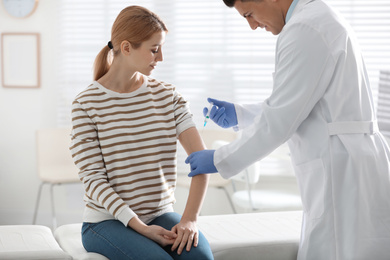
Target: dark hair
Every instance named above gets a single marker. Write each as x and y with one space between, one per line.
231 3
135 24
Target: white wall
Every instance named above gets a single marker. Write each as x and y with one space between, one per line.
22 112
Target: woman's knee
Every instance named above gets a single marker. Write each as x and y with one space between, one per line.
119 242
201 252
196 253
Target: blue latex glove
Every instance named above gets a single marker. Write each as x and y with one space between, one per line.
201 162
222 113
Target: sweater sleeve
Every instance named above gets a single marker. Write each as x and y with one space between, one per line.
87 156
183 116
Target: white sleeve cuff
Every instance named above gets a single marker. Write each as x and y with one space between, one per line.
125 215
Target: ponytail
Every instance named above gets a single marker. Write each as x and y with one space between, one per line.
135 24
102 63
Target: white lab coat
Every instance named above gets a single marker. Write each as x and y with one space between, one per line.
322 105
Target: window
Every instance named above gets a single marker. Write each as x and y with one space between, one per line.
210 51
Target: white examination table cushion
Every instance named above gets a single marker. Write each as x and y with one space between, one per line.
266 235
29 242
69 238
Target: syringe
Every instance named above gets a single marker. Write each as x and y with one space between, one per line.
208 114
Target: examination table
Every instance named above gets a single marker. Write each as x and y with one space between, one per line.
266 235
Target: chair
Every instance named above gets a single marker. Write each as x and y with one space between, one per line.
209 136
55 164
383 109
276 184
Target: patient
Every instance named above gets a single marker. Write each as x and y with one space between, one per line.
125 130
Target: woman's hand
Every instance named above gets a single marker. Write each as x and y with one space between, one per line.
160 235
187 235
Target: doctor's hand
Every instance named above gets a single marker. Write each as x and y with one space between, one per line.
201 162
222 113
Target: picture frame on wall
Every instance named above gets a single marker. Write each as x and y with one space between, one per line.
20 60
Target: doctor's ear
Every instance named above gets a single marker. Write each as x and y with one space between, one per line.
126 48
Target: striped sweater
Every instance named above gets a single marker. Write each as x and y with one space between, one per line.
125 147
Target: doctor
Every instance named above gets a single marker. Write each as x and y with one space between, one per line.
322 105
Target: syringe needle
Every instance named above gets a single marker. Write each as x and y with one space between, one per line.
208 114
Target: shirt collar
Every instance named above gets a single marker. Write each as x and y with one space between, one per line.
291 9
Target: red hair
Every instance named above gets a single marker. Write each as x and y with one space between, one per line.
135 24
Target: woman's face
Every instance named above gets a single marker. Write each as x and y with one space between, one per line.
145 58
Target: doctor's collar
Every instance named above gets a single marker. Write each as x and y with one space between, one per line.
291 10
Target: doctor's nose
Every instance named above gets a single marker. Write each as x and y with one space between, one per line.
253 24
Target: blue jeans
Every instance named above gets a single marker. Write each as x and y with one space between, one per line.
115 241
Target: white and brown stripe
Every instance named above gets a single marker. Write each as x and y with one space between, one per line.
125 146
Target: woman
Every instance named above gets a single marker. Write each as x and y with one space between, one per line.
125 127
